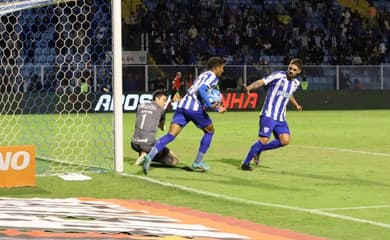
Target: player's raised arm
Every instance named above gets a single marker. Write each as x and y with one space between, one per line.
255 85
295 103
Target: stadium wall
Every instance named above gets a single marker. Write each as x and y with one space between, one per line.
344 99
43 102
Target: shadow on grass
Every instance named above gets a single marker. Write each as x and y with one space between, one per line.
179 166
237 163
224 178
338 180
187 168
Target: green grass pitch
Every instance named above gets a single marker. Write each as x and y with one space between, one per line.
338 162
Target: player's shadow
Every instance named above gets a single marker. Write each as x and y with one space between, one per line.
131 161
158 165
237 162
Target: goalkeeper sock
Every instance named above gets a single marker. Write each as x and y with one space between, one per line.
204 146
255 148
272 145
161 143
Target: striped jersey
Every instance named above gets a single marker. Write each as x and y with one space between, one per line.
192 100
278 95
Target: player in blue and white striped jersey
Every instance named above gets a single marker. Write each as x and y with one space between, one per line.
192 108
281 86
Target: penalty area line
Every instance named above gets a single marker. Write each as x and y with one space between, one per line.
257 203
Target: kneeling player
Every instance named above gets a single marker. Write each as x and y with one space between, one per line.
166 157
150 117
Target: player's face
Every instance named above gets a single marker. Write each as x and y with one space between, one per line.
293 71
161 101
219 70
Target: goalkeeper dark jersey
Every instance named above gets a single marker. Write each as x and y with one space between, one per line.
149 116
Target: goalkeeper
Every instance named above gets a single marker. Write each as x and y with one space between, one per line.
150 117
192 108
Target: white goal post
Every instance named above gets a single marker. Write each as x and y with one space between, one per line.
117 80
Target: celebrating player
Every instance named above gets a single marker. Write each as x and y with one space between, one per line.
192 108
150 117
281 86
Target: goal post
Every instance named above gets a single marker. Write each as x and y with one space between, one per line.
117 82
53 67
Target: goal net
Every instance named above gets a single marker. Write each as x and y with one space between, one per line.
52 68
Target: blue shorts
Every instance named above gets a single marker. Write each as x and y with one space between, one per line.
267 126
183 116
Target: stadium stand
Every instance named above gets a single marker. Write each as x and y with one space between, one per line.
254 31
44 51
251 32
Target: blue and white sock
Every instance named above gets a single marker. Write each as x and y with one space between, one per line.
255 148
204 146
272 145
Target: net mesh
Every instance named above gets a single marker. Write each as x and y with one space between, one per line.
50 52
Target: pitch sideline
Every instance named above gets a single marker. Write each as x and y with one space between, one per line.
258 203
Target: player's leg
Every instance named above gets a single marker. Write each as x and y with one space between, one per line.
166 157
203 121
179 120
256 159
141 149
282 137
263 141
266 126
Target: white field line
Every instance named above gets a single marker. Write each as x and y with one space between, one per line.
345 150
257 203
352 208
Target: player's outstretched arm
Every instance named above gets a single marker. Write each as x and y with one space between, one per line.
255 85
295 103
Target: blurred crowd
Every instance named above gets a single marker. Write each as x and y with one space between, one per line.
262 32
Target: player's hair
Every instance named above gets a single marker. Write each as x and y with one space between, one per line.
297 61
158 93
214 62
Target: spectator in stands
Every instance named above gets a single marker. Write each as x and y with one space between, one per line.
345 81
357 84
292 27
